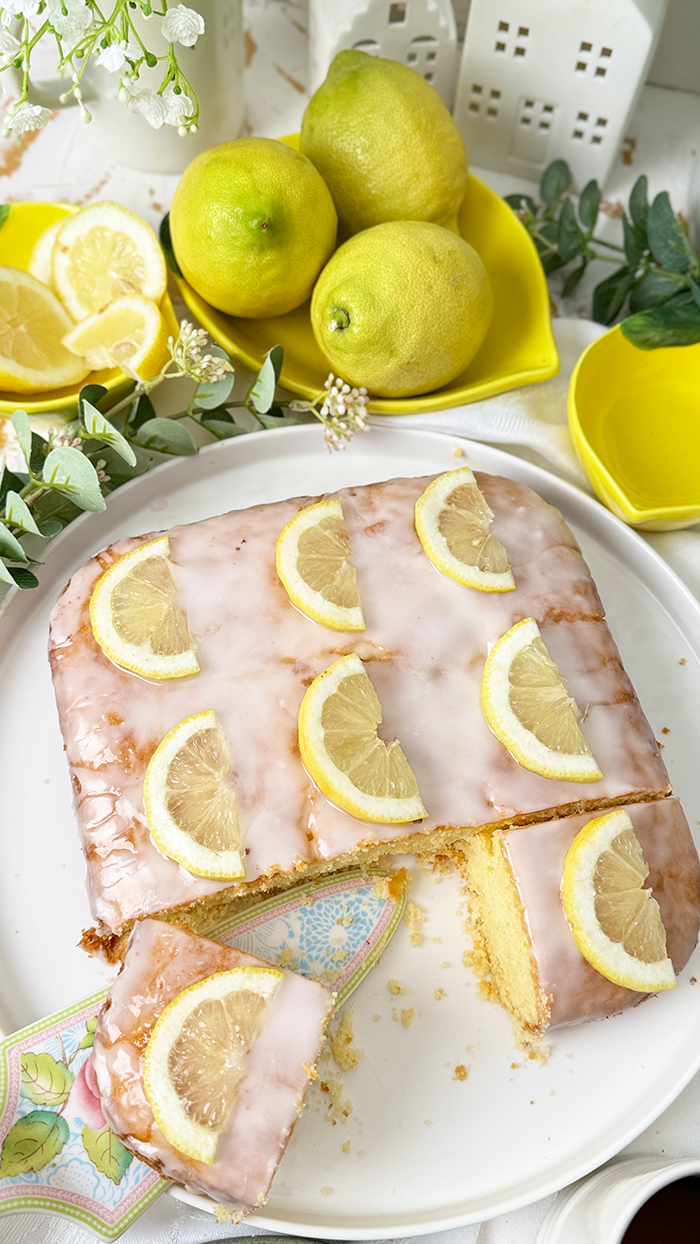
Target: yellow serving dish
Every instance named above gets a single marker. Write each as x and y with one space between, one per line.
519 347
635 421
18 235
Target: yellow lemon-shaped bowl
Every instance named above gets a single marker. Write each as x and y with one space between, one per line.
635 421
518 349
18 235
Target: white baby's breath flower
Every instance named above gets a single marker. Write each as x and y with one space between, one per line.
114 57
72 23
9 46
178 107
12 9
148 103
188 355
182 25
26 117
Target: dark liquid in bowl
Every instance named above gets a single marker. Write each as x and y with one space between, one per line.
670 1216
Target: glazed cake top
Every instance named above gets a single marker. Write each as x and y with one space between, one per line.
425 644
536 857
161 960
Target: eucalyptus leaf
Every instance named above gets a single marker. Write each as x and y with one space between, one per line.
573 279
589 205
167 244
654 289
101 429
18 513
639 203
663 326
213 393
223 430
569 235
262 390
220 413
70 473
23 578
50 528
634 241
10 546
555 180
167 436
91 393
520 201
277 359
694 289
4 213
274 421
11 481
609 296
5 576
668 239
119 471
142 411
550 262
20 422
37 453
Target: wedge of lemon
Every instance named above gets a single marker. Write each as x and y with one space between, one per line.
32 327
41 259
313 562
616 922
343 754
453 521
527 707
194 1062
130 333
135 617
191 810
103 252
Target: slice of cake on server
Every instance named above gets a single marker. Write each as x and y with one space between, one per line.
291 689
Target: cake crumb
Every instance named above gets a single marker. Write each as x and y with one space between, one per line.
339 955
311 1071
436 940
467 958
326 1191
488 992
665 730
325 1054
551 1092
446 964
394 987
337 1108
376 1018
458 452
345 920
413 919
341 1041
440 993
461 1072
285 958
682 661
693 980
407 1017
347 1147
222 1215
428 1122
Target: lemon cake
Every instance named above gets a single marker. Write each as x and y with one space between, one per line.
620 889
295 688
203 1055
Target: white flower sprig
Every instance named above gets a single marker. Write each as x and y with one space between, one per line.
83 32
340 408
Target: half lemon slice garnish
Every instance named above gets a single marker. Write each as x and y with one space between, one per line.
194 1062
130 333
343 754
135 618
191 810
616 922
102 252
527 707
453 521
313 562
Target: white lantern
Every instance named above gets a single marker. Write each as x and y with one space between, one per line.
553 79
419 33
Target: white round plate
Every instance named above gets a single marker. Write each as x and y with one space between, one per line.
426 1150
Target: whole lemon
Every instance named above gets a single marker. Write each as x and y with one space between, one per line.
252 224
402 308
385 144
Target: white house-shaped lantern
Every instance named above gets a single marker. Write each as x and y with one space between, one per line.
553 79
420 33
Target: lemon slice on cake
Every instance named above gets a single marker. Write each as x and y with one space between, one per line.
453 521
194 1062
130 333
135 618
527 707
615 920
32 327
342 752
192 812
103 252
313 562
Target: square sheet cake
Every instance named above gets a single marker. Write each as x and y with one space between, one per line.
424 647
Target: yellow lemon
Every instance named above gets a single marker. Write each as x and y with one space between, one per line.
194 1062
616 922
453 521
385 144
130 333
32 327
313 563
402 308
252 224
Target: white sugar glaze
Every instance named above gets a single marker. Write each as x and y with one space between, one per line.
425 643
536 858
161 960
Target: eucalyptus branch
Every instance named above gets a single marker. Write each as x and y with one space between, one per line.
659 278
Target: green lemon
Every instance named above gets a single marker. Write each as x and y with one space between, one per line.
385 144
252 224
402 308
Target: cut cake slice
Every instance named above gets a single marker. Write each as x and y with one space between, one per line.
424 648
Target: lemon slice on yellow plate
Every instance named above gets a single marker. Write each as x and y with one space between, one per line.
194 1062
32 327
313 562
191 811
527 707
453 521
616 922
342 752
135 618
130 333
103 252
